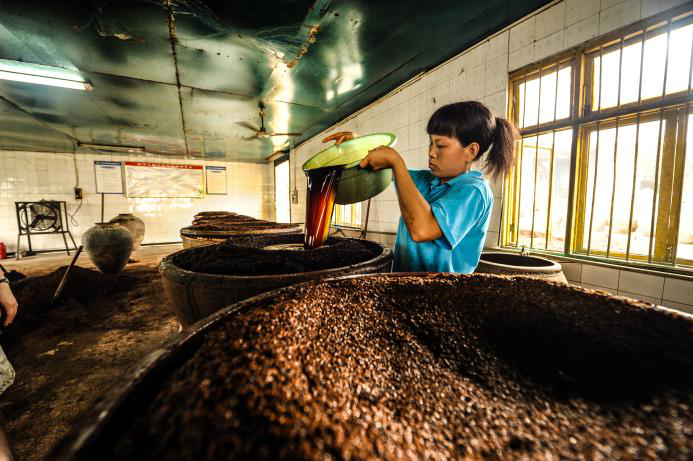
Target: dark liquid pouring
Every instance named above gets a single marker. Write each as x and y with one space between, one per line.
322 189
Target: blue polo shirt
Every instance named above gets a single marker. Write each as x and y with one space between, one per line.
462 207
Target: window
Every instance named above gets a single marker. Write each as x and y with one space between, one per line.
604 167
282 200
347 215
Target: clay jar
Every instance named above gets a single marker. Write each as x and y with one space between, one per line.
516 264
134 224
108 246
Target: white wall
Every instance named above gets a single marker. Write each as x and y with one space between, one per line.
26 176
481 73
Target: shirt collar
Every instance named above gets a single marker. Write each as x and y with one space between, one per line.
435 182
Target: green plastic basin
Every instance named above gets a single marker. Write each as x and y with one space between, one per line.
356 184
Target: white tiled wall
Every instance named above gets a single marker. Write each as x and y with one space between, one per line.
26 176
650 287
481 73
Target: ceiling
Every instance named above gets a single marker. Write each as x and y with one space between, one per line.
185 78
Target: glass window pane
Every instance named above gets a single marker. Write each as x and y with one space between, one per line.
679 59
685 244
609 79
548 97
529 147
625 156
541 199
560 189
601 155
630 73
282 196
564 89
648 139
531 109
653 66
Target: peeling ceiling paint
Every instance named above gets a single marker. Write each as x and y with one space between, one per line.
187 78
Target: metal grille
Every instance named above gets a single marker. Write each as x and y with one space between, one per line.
602 169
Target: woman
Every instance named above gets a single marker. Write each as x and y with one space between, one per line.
446 210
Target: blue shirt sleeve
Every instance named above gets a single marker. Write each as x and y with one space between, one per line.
457 212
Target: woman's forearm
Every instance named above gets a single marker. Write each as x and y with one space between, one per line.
416 211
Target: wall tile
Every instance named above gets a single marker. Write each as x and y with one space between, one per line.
498 45
600 276
652 7
549 21
491 239
606 4
494 224
476 83
678 290
572 271
498 102
521 57
577 10
642 284
477 55
619 15
688 308
522 34
550 45
163 217
496 75
612 291
582 31
639 297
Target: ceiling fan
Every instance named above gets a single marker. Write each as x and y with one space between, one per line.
262 131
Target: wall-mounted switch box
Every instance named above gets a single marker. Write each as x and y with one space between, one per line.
294 196
78 193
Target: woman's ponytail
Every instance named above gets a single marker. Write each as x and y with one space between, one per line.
500 158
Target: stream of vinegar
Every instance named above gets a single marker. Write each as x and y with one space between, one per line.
322 190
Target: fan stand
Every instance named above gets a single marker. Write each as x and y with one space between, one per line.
64 229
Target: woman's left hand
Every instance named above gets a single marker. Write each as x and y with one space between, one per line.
380 158
8 303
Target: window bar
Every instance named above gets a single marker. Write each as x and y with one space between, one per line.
534 198
596 152
613 190
683 183
642 57
620 74
536 162
635 176
666 59
594 189
655 187
519 174
613 187
690 71
553 145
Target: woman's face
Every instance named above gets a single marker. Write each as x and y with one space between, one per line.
447 158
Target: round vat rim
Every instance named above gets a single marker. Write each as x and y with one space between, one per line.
79 442
170 270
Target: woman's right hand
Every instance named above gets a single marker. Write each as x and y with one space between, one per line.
340 137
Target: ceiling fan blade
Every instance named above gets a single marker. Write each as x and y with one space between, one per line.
285 134
248 125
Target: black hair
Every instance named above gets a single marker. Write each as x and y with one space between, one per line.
471 121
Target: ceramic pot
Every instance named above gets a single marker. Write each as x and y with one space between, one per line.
108 246
134 224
